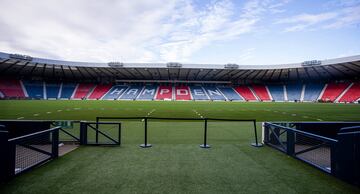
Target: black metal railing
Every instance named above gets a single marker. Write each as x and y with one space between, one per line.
310 148
100 133
205 144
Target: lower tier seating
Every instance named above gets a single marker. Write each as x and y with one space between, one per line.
261 92
338 92
35 89
99 91
11 88
245 92
312 91
294 92
333 90
277 92
353 94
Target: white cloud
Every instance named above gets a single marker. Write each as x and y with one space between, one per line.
117 30
347 15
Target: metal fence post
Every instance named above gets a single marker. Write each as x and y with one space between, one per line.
145 145
55 144
205 145
290 142
83 133
256 144
7 153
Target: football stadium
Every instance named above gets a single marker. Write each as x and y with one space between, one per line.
68 126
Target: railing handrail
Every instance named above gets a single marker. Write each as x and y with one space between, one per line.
304 133
176 118
34 134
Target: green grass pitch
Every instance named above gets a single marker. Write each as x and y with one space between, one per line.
176 164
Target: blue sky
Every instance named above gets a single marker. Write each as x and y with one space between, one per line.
198 31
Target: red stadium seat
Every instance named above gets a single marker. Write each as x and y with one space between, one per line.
333 90
83 90
99 91
245 92
352 94
11 88
261 92
182 93
164 93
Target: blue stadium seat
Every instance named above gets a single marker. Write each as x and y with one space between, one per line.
294 91
214 93
115 92
277 92
132 92
147 93
67 90
198 93
230 94
312 91
52 90
35 89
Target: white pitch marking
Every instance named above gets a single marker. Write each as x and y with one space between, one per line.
305 117
319 119
36 115
293 115
59 110
48 112
20 118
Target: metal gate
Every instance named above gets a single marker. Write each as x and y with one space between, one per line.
100 133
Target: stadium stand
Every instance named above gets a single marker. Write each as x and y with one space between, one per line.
312 91
164 93
294 92
11 88
214 93
52 90
198 93
352 94
277 92
35 89
333 90
245 92
115 92
147 93
83 90
99 91
261 92
182 93
230 93
67 90
131 93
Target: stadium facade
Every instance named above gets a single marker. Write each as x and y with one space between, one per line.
334 80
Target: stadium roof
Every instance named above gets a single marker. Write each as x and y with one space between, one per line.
22 66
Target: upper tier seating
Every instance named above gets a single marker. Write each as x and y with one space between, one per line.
147 93
35 89
312 91
245 92
261 92
294 91
52 90
11 88
164 93
115 92
277 92
214 93
182 93
333 90
198 93
352 94
230 93
132 92
67 90
83 90
99 91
